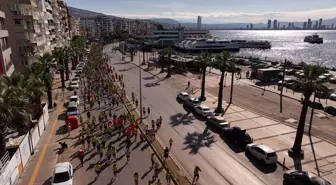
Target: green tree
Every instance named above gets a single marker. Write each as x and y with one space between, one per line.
204 60
77 49
223 63
58 55
308 83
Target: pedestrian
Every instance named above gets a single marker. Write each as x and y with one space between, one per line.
166 153
168 177
135 133
188 85
152 160
128 156
148 110
136 103
97 170
196 174
136 178
115 170
170 143
144 111
142 137
101 152
81 156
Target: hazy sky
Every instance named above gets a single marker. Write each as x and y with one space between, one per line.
214 11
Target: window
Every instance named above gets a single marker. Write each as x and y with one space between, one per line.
18 22
2 23
3 43
24 62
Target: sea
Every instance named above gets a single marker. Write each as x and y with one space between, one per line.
286 44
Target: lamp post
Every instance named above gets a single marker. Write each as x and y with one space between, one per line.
140 85
282 85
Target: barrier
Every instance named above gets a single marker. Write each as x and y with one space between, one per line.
11 173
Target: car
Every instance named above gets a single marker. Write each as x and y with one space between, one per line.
74 85
297 177
236 135
79 69
330 110
74 98
262 152
218 122
63 174
203 110
77 76
183 96
192 102
333 96
75 79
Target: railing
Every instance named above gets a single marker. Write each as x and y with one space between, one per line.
4 161
8 65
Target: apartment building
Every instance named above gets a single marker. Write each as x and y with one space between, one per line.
74 26
6 65
64 31
90 26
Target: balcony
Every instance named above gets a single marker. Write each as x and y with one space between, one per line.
9 68
48 7
28 2
3 33
51 27
37 29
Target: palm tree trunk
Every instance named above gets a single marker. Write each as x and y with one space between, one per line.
220 93
143 57
296 150
67 76
73 63
231 91
62 78
132 55
49 94
168 70
202 98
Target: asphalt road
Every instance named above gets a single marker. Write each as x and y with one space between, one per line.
140 157
194 144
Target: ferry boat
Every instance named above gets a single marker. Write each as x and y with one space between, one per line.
253 44
313 39
211 45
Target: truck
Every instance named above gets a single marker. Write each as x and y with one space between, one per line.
268 74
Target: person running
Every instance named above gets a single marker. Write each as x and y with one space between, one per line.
136 103
159 182
81 156
196 174
114 152
170 143
168 177
136 178
152 160
128 156
166 153
148 110
115 170
101 152
144 111
97 170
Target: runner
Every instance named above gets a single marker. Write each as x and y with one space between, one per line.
81 156
170 143
115 170
136 178
97 170
166 154
148 110
168 177
152 160
196 174
128 156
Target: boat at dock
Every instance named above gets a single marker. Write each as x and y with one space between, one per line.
313 39
253 44
211 45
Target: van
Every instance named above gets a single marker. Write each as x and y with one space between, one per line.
72 108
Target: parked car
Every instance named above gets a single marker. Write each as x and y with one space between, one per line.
330 110
63 174
296 177
203 110
75 79
236 135
183 96
74 99
333 96
316 105
218 122
262 152
192 102
74 85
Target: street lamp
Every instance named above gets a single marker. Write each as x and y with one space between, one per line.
140 85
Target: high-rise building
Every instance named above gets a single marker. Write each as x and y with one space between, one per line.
199 22
251 26
309 24
289 25
316 25
332 26
269 24
279 25
247 26
305 25
320 23
6 64
275 24
293 26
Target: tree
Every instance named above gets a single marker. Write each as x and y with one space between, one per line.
309 83
42 70
168 51
204 60
222 63
77 48
58 55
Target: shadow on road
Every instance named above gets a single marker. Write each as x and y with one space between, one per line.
148 78
127 69
194 141
265 168
234 147
61 130
181 119
62 116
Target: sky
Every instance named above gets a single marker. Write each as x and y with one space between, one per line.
214 11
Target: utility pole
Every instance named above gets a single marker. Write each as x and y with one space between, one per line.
140 88
312 115
231 90
282 84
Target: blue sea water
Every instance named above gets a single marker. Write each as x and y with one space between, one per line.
287 44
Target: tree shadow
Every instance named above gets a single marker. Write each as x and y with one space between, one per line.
127 69
148 78
146 173
194 141
61 130
145 147
62 116
181 119
265 168
234 147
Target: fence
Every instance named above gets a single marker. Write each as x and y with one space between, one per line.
11 168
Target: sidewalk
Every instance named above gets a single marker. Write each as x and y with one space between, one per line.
320 155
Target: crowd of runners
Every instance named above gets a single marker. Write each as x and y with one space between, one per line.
99 87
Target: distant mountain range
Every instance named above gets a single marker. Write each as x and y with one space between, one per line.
170 23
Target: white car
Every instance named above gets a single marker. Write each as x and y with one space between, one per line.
218 122
74 98
74 85
63 174
183 96
263 153
333 96
79 69
203 110
192 102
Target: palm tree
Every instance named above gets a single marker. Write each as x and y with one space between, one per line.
204 60
169 52
223 64
309 83
58 55
42 70
66 55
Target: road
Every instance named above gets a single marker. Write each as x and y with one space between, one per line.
140 157
221 163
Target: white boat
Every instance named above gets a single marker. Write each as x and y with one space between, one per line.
253 44
211 45
313 39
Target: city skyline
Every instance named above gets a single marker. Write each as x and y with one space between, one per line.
213 11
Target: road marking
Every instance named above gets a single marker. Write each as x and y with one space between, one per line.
40 159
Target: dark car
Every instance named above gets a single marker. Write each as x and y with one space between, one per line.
330 110
236 135
303 178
